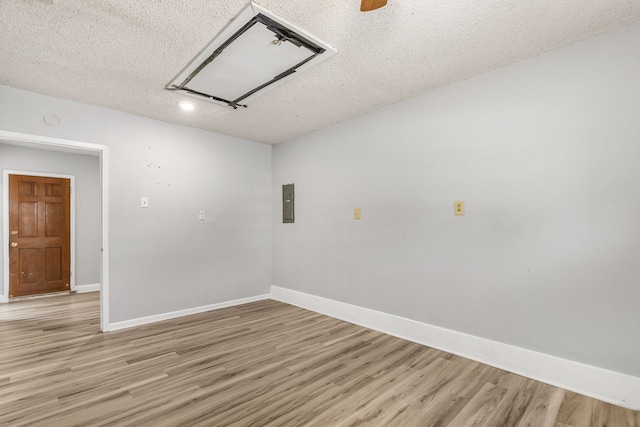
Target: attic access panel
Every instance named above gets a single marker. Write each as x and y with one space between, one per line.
254 53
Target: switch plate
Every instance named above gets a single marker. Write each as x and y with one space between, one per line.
201 216
144 202
357 213
458 208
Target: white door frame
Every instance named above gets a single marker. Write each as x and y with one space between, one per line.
5 224
47 143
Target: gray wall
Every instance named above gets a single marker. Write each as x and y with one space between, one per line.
163 258
544 153
86 170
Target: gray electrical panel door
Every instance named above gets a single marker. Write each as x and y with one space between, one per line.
287 204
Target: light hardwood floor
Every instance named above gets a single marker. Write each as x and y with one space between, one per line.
259 364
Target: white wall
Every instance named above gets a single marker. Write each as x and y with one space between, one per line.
163 258
545 154
87 196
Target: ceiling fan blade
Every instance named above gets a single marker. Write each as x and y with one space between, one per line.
368 5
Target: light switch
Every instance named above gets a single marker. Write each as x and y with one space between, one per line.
201 216
144 202
458 207
357 213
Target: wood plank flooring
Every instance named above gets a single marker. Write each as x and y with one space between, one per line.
259 364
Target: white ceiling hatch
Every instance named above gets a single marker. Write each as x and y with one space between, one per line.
255 52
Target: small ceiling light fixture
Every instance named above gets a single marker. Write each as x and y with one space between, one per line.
256 51
187 105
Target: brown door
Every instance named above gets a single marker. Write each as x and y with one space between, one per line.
39 235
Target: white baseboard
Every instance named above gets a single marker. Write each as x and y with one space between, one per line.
173 314
609 386
81 289
4 298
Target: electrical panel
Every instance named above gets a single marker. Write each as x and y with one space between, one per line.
288 212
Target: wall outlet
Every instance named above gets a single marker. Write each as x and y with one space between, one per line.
144 202
458 207
357 214
201 216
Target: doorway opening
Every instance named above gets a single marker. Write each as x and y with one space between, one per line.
56 144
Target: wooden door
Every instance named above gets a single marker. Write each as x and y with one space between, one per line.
39 235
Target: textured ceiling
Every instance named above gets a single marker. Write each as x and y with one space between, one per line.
121 53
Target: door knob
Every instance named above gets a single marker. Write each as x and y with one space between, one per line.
14 244
14 232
